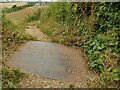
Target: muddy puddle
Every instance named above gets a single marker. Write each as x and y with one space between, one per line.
50 60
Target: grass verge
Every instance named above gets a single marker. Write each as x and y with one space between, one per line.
12 36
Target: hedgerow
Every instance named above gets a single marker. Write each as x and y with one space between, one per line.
97 34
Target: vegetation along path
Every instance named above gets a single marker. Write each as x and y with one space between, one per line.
60 64
94 27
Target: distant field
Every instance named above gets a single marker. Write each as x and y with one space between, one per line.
21 15
9 5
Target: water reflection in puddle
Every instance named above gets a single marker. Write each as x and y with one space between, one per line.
50 60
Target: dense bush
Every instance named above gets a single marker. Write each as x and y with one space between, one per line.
101 43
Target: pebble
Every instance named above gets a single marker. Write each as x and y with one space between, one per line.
34 81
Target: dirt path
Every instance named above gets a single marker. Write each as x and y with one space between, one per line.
37 81
35 32
50 60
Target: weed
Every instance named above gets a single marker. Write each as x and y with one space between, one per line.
10 77
10 40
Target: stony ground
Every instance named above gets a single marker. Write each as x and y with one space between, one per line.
35 81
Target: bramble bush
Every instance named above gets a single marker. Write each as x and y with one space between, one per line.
101 44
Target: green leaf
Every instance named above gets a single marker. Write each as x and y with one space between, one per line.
116 77
99 47
101 68
103 45
111 44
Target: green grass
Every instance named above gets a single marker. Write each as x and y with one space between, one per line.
11 77
12 37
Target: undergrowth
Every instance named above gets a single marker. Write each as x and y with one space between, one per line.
11 39
70 23
11 77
